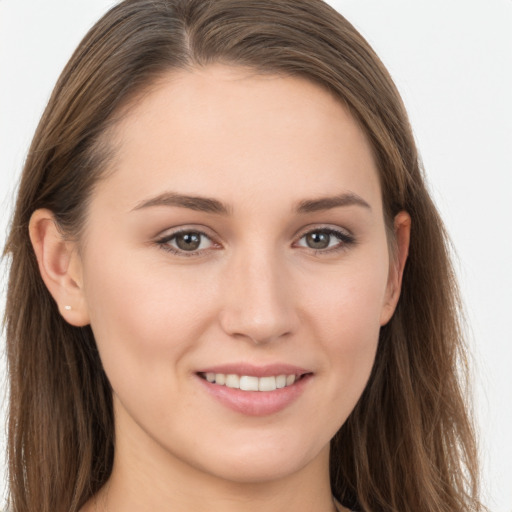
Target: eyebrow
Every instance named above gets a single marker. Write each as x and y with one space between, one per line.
210 205
198 203
329 202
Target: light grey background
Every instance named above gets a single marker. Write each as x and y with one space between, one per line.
452 61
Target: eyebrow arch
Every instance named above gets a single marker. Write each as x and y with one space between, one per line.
210 205
198 203
326 203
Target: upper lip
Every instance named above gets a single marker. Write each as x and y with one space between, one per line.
267 370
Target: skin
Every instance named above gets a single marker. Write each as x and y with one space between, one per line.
253 292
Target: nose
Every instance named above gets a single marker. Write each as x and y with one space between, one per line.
258 300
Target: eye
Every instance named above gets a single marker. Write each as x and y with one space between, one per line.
325 239
186 241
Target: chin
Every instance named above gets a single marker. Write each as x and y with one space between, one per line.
262 462
248 472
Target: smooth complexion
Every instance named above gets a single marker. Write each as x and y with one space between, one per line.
240 231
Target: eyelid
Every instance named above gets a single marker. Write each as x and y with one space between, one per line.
345 237
311 228
163 240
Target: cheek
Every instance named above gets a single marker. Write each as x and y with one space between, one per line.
145 318
347 303
344 313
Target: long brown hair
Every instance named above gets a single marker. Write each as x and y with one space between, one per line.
409 443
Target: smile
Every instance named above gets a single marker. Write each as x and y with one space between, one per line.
250 382
255 390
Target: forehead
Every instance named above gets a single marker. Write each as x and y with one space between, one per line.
225 132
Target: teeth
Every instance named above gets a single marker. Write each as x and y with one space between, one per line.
233 381
249 382
267 384
280 381
290 379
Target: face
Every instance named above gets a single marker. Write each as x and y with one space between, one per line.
237 242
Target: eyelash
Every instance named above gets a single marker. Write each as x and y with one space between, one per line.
345 240
164 242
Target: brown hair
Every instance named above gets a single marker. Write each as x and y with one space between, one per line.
409 444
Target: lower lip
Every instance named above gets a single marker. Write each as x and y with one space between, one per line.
256 403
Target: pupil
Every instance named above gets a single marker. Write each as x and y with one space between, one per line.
318 240
188 241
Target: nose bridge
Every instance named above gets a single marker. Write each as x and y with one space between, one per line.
258 300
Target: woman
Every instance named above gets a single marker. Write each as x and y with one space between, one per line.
229 287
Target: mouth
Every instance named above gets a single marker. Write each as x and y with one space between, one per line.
252 382
255 390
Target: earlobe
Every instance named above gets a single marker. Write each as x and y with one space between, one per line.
60 267
402 233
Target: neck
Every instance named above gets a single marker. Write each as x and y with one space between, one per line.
147 476
182 491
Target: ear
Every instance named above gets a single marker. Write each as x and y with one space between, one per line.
60 267
402 233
